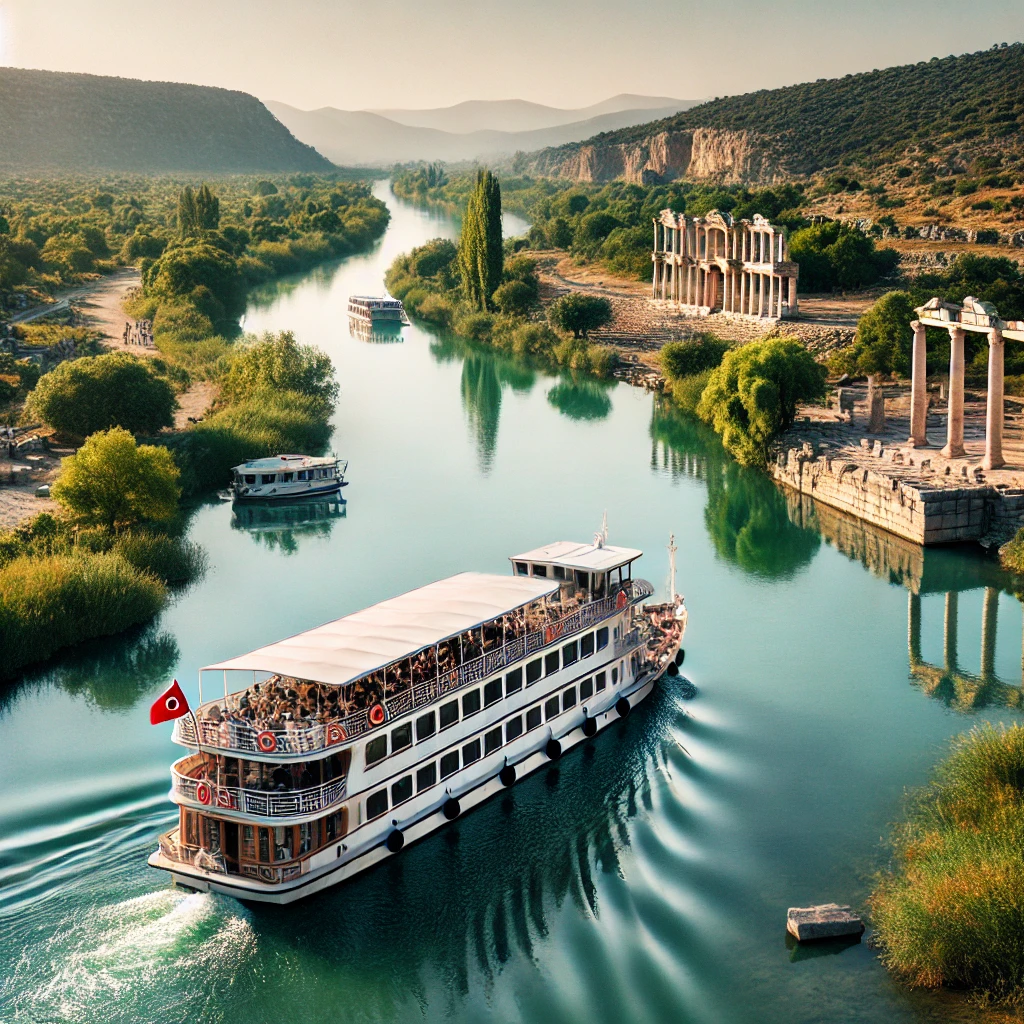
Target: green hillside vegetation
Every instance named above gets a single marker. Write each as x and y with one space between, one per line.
57 120
943 113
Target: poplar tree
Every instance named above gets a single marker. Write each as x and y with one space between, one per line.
480 258
197 211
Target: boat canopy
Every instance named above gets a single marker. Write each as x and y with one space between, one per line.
274 463
340 652
584 557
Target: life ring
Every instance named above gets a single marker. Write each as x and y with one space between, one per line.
335 733
621 601
377 715
203 793
266 741
223 798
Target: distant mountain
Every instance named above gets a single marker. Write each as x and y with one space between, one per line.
69 122
522 115
947 115
366 137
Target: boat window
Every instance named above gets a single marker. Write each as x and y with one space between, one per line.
286 478
492 740
449 764
550 663
401 737
586 689
513 681
615 676
401 790
376 750
471 752
586 645
250 478
569 698
265 845
558 572
305 837
552 707
533 718
470 703
540 570
599 681
522 569
583 580
513 728
533 672
268 478
301 474
426 777
492 692
449 713
570 653
376 804
602 638
426 726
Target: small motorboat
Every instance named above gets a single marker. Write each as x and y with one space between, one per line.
287 476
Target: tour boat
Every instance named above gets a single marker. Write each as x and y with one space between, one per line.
374 309
287 476
370 732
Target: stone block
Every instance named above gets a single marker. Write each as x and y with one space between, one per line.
827 921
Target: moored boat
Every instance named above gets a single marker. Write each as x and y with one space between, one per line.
354 738
287 477
377 309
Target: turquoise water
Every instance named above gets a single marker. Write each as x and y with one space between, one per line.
647 877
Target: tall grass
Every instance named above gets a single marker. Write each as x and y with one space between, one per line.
55 601
172 560
951 912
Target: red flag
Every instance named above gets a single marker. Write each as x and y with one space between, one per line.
169 705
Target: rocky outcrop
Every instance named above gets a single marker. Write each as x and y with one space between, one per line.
702 153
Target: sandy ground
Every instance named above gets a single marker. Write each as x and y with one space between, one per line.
100 309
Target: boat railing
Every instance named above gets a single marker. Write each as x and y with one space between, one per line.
257 803
290 739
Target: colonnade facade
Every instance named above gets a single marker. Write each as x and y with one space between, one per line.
979 317
712 264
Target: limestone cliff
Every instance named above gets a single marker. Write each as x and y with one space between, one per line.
703 153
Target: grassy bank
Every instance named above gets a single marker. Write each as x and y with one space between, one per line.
951 911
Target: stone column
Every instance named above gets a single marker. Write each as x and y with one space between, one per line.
954 448
914 629
876 406
778 301
743 291
989 613
760 294
792 297
949 633
994 409
918 389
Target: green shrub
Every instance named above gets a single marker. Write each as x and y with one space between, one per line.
951 912
579 314
52 602
476 325
514 298
687 391
884 336
276 363
173 560
694 355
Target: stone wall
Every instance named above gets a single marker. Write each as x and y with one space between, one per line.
923 512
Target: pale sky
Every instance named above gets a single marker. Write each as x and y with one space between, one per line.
425 53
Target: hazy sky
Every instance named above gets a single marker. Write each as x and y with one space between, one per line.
411 53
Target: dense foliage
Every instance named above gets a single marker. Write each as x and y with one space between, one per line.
753 395
480 256
836 255
951 912
276 363
578 314
81 396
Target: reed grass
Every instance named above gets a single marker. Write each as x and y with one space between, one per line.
951 911
172 560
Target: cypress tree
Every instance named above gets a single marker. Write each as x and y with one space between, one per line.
480 258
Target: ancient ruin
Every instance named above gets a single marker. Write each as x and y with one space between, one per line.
712 264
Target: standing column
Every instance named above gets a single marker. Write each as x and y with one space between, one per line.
760 294
792 297
989 611
779 300
655 236
949 633
994 409
743 291
954 448
914 629
918 389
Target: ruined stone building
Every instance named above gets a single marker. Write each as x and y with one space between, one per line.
713 264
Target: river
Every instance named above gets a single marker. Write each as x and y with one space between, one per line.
647 877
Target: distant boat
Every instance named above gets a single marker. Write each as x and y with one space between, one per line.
287 476
375 310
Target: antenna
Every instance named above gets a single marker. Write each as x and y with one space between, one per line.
672 549
604 527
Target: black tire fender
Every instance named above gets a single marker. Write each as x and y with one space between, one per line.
589 726
622 706
395 840
452 809
553 749
508 775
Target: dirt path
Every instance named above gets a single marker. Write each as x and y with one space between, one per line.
100 309
193 404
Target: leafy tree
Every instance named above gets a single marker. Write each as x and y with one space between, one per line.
481 258
515 298
275 363
834 255
113 482
265 188
184 267
81 396
433 258
883 342
579 314
559 233
752 396
68 252
198 211
694 355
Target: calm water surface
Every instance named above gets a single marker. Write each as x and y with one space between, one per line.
646 878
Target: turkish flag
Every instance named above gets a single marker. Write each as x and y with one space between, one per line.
170 704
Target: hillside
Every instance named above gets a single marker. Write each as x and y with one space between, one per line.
949 111
369 138
70 122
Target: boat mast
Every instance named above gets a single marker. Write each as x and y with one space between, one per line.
672 549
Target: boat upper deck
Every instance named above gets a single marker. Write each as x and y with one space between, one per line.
278 463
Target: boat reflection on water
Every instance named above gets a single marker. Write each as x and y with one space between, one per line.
284 523
378 332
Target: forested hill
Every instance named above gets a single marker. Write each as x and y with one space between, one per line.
963 107
69 122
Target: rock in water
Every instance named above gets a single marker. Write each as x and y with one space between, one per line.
826 921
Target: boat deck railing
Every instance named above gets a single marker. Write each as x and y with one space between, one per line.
291 740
